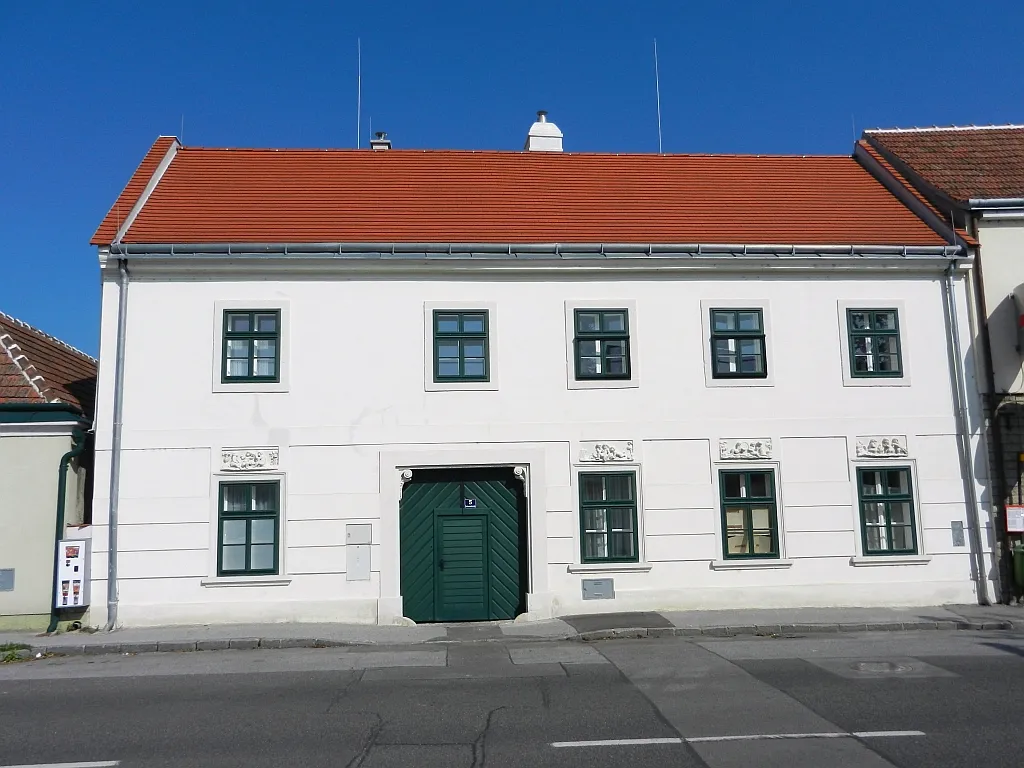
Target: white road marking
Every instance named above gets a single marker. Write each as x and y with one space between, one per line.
615 742
745 737
100 764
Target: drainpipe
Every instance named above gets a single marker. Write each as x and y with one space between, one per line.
77 446
963 428
115 445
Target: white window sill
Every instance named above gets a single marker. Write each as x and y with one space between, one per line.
243 581
749 565
861 560
609 568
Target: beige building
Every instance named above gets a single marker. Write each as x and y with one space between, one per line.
46 401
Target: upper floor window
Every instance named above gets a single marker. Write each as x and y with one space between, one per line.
738 344
251 345
601 343
874 343
460 345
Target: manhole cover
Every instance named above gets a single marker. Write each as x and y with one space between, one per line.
881 667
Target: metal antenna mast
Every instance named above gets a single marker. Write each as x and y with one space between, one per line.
657 91
359 88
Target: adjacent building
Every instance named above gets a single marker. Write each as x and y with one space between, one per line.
391 385
973 177
46 399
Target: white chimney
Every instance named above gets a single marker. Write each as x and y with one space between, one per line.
543 136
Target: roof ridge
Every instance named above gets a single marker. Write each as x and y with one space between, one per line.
525 153
924 129
47 336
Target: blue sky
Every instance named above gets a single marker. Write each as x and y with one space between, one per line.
86 87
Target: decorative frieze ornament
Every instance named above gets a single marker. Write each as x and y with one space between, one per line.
249 459
621 450
888 447
732 450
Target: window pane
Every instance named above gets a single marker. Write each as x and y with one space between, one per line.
732 483
447 367
737 544
876 539
902 537
750 321
861 345
735 519
447 323
874 514
595 520
473 324
261 557
264 348
761 519
614 348
590 366
618 488
889 363
723 321
615 321
885 321
899 513
592 487
588 322
595 545
262 531
238 348
235 497
238 367
885 345
232 558
725 358
266 323
234 532
621 520
239 323
897 482
870 482
474 368
861 364
264 497
266 366
615 365
859 321
448 350
621 545
763 544
760 485
473 349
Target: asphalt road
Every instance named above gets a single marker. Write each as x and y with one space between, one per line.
871 700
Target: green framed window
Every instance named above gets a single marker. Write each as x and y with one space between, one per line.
248 531
461 345
874 343
251 345
738 344
886 497
750 519
601 343
608 522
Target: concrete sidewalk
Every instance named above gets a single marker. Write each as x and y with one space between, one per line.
724 623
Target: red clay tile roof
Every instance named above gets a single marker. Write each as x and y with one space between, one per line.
38 368
133 190
407 196
964 163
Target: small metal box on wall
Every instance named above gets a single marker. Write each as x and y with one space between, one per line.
73 558
357 551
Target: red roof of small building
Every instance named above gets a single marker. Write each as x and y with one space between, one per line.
412 196
38 368
964 163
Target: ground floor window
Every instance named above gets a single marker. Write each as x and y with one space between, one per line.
608 521
249 528
749 516
886 498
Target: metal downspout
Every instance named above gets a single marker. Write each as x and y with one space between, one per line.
77 446
965 438
115 445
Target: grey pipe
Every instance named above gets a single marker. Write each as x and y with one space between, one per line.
115 444
996 202
963 427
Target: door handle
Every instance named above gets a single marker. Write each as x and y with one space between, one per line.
440 565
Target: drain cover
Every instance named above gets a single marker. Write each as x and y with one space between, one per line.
881 667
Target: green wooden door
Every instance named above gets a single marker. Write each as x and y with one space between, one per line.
463 546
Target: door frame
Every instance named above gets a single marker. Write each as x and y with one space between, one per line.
397 468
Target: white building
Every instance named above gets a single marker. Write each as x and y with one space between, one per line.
974 176
448 385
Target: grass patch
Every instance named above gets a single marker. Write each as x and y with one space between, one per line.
6 647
